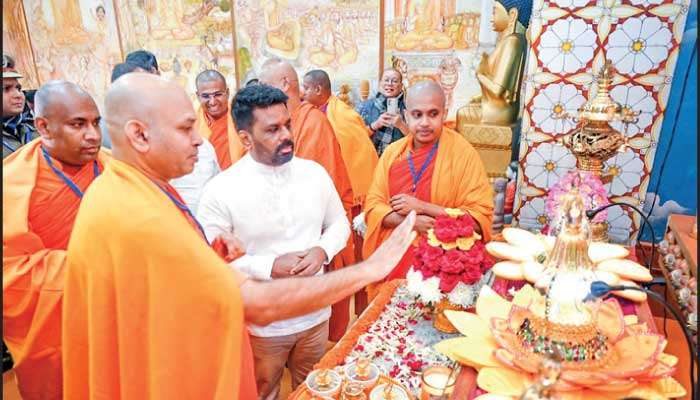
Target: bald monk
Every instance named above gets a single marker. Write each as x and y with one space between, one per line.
214 121
430 169
156 313
43 184
315 140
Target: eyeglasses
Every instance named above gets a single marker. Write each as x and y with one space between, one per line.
207 96
392 81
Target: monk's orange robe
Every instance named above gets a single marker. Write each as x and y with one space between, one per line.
38 215
154 312
315 140
456 179
222 134
357 149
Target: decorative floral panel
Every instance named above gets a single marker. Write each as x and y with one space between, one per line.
569 42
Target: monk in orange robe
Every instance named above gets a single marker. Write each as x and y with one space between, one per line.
214 120
431 169
314 139
155 312
43 184
357 149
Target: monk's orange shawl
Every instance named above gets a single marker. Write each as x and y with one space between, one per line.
357 149
38 215
152 311
458 181
222 134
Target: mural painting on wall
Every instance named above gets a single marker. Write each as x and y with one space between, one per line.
436 40
340 37
15 40
187 36
569 42
74 40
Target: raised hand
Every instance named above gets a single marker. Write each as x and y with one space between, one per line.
385 258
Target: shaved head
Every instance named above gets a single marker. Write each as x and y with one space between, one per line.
425 112
212 93
163 145
317 87
282 75
54 94
68 120
209 75
426 89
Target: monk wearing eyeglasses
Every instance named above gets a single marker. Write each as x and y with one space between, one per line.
214 121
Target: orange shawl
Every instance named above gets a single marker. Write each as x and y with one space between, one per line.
357 149
315 140
458 181
37 221
222 134
154 312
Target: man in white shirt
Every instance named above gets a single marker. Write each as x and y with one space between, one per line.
191 186
287 213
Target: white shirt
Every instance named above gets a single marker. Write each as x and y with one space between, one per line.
191 186
273 211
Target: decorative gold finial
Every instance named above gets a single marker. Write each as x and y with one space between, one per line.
594 140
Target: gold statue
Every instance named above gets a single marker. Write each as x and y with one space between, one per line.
499 75
488 121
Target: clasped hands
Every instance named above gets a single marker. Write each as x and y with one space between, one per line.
403 203
299 263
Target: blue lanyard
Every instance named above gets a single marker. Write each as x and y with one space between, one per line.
184 208
416 177
67 180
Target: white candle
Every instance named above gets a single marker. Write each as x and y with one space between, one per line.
437 380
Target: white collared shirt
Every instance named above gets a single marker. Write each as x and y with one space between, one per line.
191 186
273 211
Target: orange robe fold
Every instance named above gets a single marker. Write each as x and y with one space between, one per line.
155 313
357 149
38 215
315 140
458 180
222 134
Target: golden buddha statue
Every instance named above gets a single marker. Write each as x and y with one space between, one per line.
488 121
499 74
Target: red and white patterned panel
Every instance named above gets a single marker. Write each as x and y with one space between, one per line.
569 42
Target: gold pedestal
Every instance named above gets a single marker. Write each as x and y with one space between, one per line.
493 143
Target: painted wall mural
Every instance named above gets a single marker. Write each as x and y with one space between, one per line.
340 37
74 40
438 40
187 36
15 39
569 41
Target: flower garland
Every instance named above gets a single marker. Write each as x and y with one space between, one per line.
400 341
451 262
588 184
